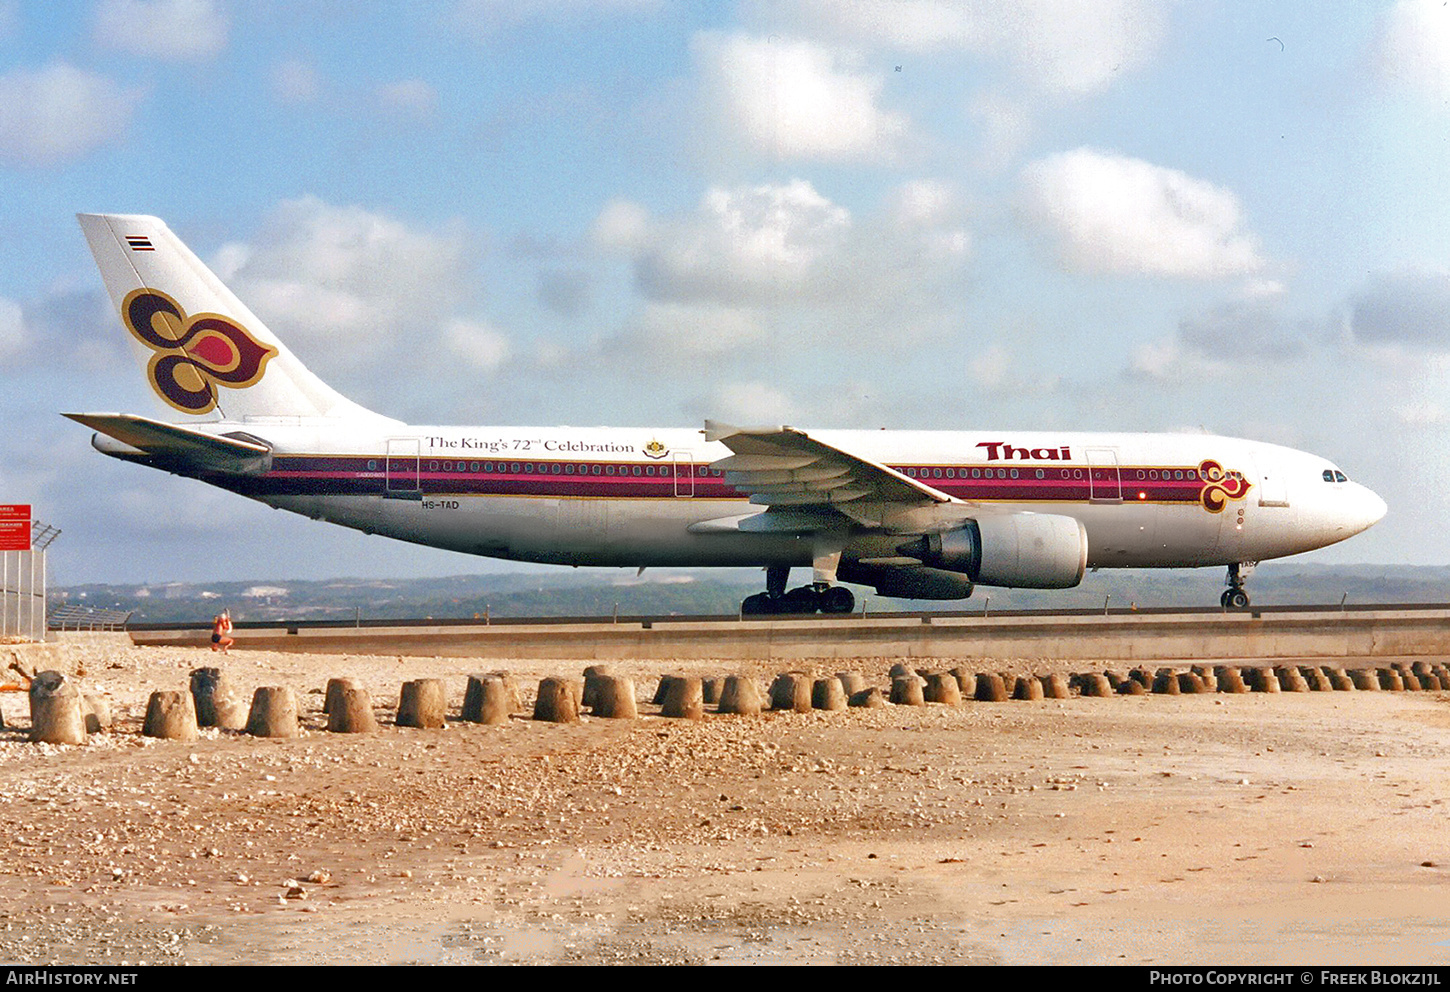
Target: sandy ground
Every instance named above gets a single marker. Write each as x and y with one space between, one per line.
1287 828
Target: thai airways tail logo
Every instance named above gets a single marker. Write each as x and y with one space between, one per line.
194 354
1220 486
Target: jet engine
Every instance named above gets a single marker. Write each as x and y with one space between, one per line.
916 582
1016 550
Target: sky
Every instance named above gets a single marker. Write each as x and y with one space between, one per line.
928 214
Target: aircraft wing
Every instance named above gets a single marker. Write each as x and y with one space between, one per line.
784 467
176 443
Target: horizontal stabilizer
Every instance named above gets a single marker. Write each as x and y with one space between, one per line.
177 443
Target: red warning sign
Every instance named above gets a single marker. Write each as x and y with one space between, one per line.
14 526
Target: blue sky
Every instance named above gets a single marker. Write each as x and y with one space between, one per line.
1116 215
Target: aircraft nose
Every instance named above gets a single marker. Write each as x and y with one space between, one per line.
1369 509
1375 508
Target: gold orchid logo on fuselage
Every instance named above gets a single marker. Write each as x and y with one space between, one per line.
194 354
1220 486
655 450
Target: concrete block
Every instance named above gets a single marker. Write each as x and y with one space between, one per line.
170 715
56 713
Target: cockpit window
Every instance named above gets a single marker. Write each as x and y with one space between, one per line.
1340 477
1329 475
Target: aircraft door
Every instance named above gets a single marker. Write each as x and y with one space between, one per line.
402 469
1105 484
1273 483
684 474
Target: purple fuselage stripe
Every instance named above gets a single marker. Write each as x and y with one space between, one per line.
362 476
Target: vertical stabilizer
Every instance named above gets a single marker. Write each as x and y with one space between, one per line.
206 354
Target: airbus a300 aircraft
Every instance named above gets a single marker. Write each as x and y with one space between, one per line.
914 514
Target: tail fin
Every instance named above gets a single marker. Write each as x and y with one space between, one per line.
206 354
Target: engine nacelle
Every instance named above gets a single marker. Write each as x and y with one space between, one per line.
918 582
1016 550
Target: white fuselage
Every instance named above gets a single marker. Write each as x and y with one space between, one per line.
636 497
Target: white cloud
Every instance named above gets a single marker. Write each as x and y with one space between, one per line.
1005 125
794 100
566 292
1414 45
182 30
747 244
785 250
620 227
927 216
752 403
990 367
408 98
1409 306
348 282
479 344
1113 214
59 113
1172 361
671 331
1062 47
295 81
1422 414
1239 337
12 328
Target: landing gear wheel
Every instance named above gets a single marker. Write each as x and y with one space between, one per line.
760 604
1234 597
838 599
804 599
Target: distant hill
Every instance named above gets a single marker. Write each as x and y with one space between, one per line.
704 591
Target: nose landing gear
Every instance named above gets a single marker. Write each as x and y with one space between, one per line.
819 597
1235 597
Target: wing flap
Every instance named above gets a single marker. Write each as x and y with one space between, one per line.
784 467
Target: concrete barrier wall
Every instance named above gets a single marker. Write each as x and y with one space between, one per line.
1157 637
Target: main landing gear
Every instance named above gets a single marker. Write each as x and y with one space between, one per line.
818 597
1234 597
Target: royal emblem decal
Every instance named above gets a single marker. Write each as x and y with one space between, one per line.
655 450
194 354
1220 486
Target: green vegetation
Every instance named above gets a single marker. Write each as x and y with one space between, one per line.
700 592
